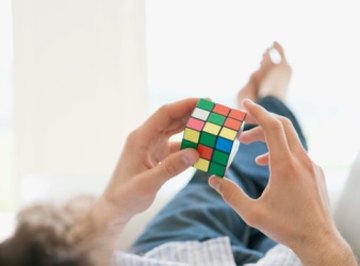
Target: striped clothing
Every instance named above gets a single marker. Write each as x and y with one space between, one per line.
214 252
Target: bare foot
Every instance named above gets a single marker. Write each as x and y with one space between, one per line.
276 78
249 91
271 79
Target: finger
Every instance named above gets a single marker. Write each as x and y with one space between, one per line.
263 159
266 58
234 196
257 134
273 130
249 119
171 166
174 146
252 135
170 118
160 154
291 134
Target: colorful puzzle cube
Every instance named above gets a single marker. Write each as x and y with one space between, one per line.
213 130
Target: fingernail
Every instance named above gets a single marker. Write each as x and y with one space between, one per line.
215 184
248 101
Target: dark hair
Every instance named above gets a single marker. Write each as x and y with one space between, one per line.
40 238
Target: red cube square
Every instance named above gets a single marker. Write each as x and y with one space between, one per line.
205 152
221 109
237 115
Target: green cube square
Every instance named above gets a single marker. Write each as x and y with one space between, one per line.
220 157
188 144
217 169
205 104
216 119
207 139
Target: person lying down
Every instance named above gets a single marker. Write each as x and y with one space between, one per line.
271 209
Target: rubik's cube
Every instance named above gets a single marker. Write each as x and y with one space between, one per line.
213 131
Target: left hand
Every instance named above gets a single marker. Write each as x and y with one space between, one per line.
148 160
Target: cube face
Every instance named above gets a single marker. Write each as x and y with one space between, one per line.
212 129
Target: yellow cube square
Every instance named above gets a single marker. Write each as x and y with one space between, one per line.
211 128
228 133
191 135
202 165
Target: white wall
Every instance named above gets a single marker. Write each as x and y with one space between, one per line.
5 63
7 182
210 48
79 80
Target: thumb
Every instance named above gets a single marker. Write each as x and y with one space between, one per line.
172 165
233 195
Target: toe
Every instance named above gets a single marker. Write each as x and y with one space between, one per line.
266 60
275 56
280 49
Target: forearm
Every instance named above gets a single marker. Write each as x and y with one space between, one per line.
98 233
331 250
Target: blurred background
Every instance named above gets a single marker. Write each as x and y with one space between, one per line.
77 75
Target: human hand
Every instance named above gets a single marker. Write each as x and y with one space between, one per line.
294 208
147 161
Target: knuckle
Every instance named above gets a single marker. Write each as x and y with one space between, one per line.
275 124
286 121
293 166
132 138
170 169
308 162
289 165
309 166
164 108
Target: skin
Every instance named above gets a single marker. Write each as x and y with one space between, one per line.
294 208
147 161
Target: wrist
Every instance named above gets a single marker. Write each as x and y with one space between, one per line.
106 214
101 220
98 233
327 248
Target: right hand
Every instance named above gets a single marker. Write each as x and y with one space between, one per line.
294 208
